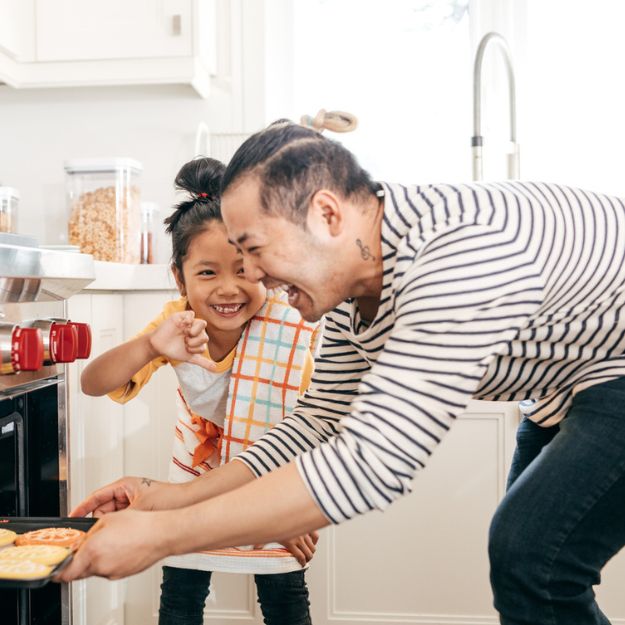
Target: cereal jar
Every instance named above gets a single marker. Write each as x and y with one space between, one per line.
9 199
104 204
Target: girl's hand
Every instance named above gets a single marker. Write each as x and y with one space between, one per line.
182 337
302 548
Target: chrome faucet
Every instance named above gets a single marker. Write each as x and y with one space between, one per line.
477 140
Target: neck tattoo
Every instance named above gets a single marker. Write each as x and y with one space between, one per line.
147 481
365 252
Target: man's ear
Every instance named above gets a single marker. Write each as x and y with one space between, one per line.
179 281
325 214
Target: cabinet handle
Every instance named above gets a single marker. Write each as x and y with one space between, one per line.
176 25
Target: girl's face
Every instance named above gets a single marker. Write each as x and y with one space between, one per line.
214 284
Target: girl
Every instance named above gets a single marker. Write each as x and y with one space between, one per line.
257 362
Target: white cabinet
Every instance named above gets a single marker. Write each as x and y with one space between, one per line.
96 448
55 43
68 30
400 566
16 36
424 561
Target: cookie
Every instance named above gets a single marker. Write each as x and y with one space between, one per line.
6 537
60 536
43 554
23 569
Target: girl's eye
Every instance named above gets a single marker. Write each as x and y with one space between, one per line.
240 271
253 250
207 272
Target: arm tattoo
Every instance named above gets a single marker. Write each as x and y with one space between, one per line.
365 253
147 481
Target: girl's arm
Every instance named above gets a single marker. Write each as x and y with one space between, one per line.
179 337
115 367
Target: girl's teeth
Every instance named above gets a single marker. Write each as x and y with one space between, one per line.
228 309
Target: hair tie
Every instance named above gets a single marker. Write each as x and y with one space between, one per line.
202 194
337 121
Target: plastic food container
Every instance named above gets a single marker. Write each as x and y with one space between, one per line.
104 204
9 200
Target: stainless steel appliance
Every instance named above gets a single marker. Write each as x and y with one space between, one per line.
36 342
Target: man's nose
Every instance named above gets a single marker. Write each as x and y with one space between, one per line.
253 273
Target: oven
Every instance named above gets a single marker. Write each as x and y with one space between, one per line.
37 343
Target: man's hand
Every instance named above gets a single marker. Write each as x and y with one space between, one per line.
121 544
182 337
116 496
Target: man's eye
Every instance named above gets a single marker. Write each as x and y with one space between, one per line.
253 250
240 271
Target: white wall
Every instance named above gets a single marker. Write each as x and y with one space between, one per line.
570 100
403 70
574 94
42 128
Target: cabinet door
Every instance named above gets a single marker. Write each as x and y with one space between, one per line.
96 448
16 28
89 30
424 560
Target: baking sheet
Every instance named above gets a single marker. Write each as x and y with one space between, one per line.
20 525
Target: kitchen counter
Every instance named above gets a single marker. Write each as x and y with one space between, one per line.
126 277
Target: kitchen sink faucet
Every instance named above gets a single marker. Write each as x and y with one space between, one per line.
477 140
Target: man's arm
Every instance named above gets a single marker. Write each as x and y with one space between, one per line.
450 322
337 374
143 493
129 541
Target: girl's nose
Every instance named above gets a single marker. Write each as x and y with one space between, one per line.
228 287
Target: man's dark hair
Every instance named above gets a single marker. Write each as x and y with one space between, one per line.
292 163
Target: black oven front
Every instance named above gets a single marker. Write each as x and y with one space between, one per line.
36 342
32 484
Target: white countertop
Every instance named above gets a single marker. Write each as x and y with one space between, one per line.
124 277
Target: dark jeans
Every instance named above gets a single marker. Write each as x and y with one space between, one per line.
283 597
563 516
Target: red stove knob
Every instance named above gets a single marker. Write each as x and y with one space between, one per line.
63 342
26 349
83 333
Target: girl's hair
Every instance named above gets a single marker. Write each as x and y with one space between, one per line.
292 163
201 177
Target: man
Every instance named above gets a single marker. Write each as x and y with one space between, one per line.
434 295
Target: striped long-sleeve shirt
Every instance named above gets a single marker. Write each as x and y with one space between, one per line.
510 291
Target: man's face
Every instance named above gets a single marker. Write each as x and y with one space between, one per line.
278 252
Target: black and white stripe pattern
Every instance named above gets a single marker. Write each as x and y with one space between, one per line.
510 291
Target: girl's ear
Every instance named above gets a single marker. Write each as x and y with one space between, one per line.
179 281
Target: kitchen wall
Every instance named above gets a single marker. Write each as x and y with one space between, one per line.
43 127
155 124
573 97
414 106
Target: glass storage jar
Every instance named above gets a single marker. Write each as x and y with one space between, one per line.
149 212
104 204
9 199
